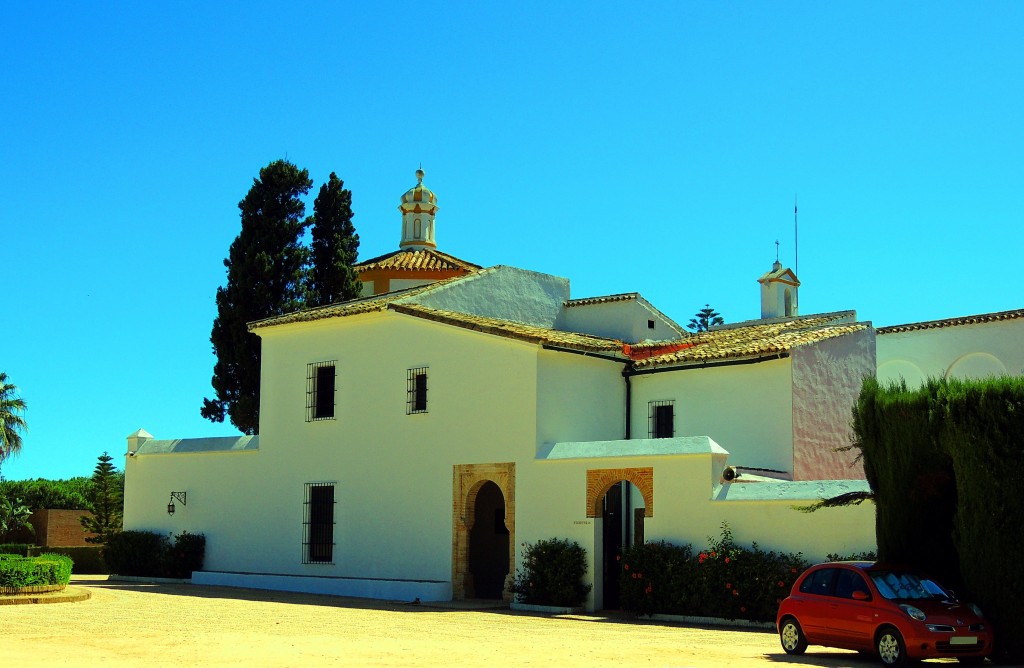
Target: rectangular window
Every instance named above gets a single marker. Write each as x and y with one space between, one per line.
662 419
416 391
320 386
318 526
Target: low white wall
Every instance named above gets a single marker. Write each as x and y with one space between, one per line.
387 590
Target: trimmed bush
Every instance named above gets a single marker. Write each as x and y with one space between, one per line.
946 465
88 560
20 549
723 580
139 553
552 573
186 555
46 569
149 554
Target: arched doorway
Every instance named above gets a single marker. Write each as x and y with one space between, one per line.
483 520
621 499
488 543
622 527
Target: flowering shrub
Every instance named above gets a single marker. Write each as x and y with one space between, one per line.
722 580
552 573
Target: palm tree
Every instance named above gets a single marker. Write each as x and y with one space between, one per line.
12 422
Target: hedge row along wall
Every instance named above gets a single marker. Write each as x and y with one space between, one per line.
946 465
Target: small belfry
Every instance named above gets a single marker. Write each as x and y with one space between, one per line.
779 292
418 207
417 260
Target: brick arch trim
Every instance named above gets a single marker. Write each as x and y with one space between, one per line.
466 483
599 481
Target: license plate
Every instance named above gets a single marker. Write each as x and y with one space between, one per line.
963 640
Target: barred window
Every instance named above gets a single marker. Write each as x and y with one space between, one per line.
318 524
320 386
416 391
661 419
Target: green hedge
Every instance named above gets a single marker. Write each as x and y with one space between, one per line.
20 549
150 554
946 465
88 560
723 580
46 569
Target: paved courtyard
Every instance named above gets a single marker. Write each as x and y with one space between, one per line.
135 624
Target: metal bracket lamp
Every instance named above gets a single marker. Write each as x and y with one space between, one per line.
180 496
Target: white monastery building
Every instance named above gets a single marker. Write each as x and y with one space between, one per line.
412 439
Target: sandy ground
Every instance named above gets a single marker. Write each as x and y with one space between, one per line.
137 624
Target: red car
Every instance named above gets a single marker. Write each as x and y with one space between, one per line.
892 612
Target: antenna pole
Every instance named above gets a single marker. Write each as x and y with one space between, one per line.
796 240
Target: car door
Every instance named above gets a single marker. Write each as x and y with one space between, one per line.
815 601
851 612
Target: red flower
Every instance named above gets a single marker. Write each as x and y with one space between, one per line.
735 592
727 560
781 583
618 557
743 608
626 566
639 576
792 570
713 555
728 585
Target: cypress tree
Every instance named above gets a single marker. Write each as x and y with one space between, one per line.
335 246
107 502
266 267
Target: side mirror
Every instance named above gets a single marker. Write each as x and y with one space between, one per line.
861 595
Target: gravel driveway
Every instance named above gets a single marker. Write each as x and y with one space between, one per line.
135 624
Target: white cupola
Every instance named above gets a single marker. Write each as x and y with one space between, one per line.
779 293
418 207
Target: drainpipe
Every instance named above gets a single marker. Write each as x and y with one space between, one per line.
626 376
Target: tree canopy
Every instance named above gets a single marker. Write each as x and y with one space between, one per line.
12 418
270 272
107 502
705 319
335 246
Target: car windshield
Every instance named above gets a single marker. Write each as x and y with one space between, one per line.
907 586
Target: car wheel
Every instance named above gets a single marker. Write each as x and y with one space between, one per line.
792 636
890 647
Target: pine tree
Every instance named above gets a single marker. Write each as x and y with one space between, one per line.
335 246
107 502
705 319
266 267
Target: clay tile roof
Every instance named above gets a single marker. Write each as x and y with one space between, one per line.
416 260
626 296
513 330
351 307
953 322
756 339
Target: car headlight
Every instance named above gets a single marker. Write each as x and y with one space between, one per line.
916 613
976 610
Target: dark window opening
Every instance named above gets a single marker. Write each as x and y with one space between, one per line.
650 324
320 388
318 528
416 388
662 419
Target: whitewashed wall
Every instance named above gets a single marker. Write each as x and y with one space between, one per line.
746 408
962 351
626 320
393 471
827 377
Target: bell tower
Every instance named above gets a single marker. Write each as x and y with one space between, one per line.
779 293
418 207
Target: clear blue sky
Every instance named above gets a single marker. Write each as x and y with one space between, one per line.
651 147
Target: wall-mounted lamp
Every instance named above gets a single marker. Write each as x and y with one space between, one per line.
180 496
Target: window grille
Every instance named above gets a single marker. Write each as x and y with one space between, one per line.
320 386
318 524
661 419
416 391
